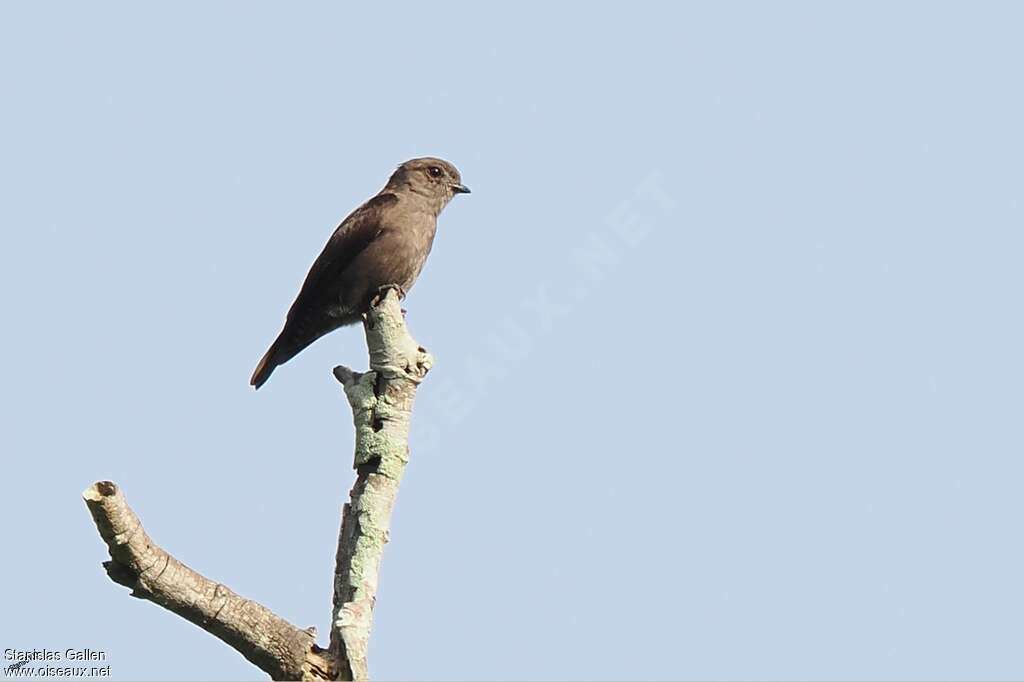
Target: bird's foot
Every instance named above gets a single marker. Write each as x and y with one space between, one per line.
383 291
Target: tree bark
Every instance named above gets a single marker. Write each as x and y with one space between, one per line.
381 401
269 642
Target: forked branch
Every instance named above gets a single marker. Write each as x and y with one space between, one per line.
381 401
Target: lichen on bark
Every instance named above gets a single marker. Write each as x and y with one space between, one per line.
381 401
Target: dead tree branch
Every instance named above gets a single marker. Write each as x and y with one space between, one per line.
381 401
271 643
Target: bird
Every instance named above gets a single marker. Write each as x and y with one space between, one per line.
383 243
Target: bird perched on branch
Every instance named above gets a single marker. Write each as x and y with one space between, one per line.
382 243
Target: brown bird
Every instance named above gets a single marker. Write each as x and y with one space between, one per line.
383 242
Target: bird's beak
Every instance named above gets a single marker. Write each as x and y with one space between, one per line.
460 189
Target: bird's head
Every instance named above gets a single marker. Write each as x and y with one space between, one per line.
435 180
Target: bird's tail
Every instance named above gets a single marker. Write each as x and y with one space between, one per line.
292 339
268 363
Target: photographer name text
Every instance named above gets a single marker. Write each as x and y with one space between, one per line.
54 655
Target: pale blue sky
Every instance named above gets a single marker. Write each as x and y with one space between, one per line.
749 273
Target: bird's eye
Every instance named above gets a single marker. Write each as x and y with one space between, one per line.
434 171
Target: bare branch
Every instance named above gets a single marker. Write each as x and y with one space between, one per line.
381 401
271 643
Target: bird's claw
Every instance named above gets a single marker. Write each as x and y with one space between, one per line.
383 291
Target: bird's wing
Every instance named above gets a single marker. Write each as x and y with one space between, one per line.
350 238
